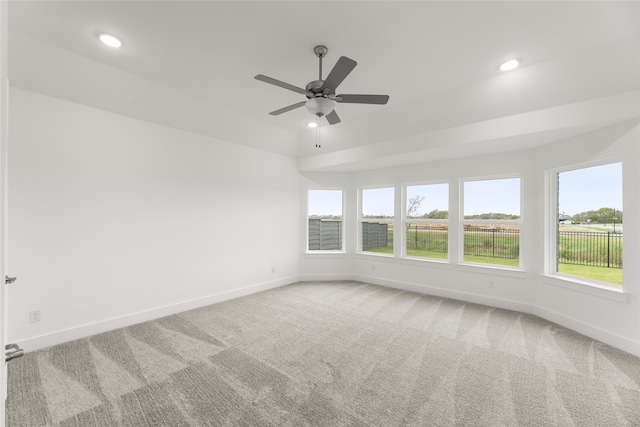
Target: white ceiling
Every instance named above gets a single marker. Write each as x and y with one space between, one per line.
191 65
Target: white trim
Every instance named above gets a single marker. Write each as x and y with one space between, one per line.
588 164
325 254
586 287
427 262
82 331
342 219
587 329
361 219
4 137
448 293
550 221
462 220
404 220
387 257
551 231
326 277
493 269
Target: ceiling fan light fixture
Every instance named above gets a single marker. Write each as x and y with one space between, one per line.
320 106
110 40
509 65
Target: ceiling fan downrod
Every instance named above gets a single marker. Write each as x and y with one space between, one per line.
320 52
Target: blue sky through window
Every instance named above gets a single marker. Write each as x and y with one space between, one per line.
378 202
436 196
492 196
589 189
325 203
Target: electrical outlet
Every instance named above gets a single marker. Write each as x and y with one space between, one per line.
34 316
373 267
492 284
273 270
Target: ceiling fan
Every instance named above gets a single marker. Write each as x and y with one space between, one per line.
321 94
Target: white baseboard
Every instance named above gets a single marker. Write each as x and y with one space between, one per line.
589 330
326 277
583 328
82 331
448 293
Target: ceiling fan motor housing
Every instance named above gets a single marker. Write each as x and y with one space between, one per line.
314 88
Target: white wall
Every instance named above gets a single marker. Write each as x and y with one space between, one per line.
612 318
114 220
608 316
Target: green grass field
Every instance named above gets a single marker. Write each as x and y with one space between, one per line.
508 244
426 254
511 262
603 274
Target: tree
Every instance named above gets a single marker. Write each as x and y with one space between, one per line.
414 204
600 216
436 214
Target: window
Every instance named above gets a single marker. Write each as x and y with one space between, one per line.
491 222
426 222
325 225
589 225
377 207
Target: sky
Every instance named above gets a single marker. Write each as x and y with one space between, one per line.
492 196
436 196
590 189
378 201
580 190
325 202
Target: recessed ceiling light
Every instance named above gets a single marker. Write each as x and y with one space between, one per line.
110 40
312 125
509 65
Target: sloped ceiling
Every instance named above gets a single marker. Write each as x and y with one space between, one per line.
191 65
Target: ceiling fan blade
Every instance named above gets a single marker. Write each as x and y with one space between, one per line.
340 71
289 108
333 118
363 99
272 81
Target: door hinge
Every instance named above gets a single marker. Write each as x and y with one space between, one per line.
12 351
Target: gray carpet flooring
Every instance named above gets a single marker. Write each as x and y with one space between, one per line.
330 354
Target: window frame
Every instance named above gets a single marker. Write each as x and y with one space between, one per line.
307 215
462 221
551 227
404 220
361 220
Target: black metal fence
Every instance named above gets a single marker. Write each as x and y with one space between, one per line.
428 237
579 248
594 249
492 242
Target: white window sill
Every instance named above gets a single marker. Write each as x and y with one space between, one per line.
492 269
428 262
591 288
389 257
312 254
